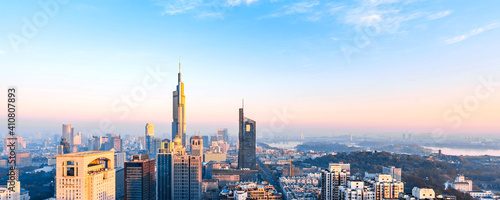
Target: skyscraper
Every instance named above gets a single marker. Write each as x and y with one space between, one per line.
165 170
187 177
85 175
197 146
77 138
150 130
222 135
179 175
140 180
247 142
67 133
66 146
179 110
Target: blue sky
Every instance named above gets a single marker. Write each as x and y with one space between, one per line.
337 67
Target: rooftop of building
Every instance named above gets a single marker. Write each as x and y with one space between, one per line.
85 153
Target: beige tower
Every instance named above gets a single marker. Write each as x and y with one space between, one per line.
86 175
150 129
197 146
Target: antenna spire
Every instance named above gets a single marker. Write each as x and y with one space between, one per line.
242 103
179 77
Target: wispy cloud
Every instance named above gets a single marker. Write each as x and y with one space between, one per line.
440 14
172 7
214 15
201 8
239 2
295 8
471 33
388 15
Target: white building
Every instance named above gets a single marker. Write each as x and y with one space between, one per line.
481 194
461 184
240 195
423 193
355 190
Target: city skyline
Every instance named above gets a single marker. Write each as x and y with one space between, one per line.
304 74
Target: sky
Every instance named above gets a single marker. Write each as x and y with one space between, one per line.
318 67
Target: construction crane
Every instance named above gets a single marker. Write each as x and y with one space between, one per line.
290 172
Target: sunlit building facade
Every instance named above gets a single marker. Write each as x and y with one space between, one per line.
85 175
179 111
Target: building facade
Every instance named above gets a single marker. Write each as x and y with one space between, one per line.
197 146
179 110
85 175
140 182
247 142
337 175
393 171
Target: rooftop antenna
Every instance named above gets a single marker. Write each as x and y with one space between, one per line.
179 69
242 103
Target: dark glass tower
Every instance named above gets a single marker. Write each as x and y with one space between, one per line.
247 143
165 175
140 180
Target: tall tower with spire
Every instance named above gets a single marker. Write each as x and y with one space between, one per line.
179 110
247 142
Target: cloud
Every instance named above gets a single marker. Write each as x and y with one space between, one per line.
440 15
239 2
215 15
387 15
295 8
172 7
2 52
200 8
471 33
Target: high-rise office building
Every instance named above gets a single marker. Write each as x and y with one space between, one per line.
179 110
187 177
179 175
247 142
150 130
213 138
197 146
140 180
119 182
206 141
120 158
85 175
77 138
67 133
60 149
165 170
222 135
93 143
66 146
393 171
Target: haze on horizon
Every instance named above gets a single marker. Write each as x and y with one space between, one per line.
431 65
